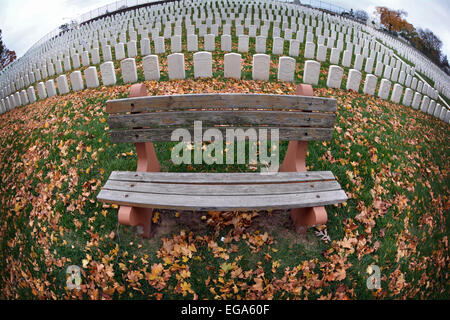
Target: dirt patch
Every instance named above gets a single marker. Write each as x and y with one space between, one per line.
276 223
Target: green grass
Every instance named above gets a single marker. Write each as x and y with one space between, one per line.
56 155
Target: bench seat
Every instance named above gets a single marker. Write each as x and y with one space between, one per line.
222 191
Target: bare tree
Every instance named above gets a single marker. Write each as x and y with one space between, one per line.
6 56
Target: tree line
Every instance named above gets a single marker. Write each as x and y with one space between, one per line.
424 40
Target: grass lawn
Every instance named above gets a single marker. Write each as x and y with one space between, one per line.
392 161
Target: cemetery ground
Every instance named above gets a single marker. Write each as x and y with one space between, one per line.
392 161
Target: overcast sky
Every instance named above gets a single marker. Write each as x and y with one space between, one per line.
26 21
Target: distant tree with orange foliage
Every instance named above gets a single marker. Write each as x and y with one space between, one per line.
393 19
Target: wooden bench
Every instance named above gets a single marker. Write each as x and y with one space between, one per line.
143 119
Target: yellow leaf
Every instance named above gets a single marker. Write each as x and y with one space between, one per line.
155 218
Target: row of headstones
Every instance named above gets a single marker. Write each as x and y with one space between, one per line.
410 98
232 69
319 55
49 69
277 49
96 54
131 11
227 30
423 64
283 24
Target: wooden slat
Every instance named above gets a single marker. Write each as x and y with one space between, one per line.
206 202
219 100
164 134
232 118
218 190
221 178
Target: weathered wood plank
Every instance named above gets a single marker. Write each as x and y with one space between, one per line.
221 178
206 202
164 134
220 100
219 190
231 118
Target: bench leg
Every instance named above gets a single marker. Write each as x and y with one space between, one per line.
295 161
139 217
147 162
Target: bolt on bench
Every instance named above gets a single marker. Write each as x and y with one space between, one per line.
143 119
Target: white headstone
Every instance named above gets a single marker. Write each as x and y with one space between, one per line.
443 113
379 69
67 65
160 46
108 73
42 92
394 75
294 48
425 104
431 107
225 42
175 44
129 72
353 80
175 63
347 58
335 56
91 77
210 42
322 53
24 97
335 74
416 100
58 69
150 64
243 41
63 85
261 67
407 97
402 77
311 72
385 88
76 81
203 64
408 80
192 43
286 69
359 60
119 50
85 58
107 54
132 49
232 68
387 72
145 46
397 93
260 44
369 65
437 111
31 94
17 99
95 56
370 84
51 89
278 46
76 61
310 49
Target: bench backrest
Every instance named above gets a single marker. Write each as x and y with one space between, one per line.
153 118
